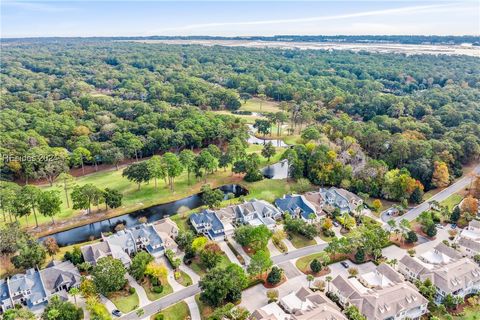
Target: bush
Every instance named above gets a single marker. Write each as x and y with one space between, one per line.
275 275
431 230
328 233
154 281
131 290
315 266
411 237
360 256
157 289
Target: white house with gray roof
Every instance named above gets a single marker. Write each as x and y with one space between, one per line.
468 240
123 244
34 288
341 199
209 224
253 212
379 295
450 273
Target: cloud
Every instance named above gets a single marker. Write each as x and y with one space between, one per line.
402 10
36 6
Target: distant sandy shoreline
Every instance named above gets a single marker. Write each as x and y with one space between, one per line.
408 49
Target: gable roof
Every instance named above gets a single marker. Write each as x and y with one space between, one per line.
294 204
92 252
470 244
58 274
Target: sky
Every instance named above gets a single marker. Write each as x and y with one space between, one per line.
238 18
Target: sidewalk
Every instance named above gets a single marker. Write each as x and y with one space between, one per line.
193 306
142 295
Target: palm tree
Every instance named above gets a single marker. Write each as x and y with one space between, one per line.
328 279
74 292
310 278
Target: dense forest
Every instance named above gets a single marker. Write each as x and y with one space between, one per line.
64 100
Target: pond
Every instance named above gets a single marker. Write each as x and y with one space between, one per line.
93 230
252 139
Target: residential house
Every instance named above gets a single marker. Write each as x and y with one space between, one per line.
34 288
208 223
124 243
253 212
317 200
277 171
166 226
297 206
337 198
381 294
468 240
302 304
450 274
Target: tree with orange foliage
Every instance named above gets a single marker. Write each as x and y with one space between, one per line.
475 190
470 204
441 177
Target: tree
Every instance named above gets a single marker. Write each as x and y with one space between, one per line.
377 205
49 203
311 133
57 309
27 200
113 198
272 295
451 302
310 278
236 150
315 266
206 162
417 195
66 181
75 256
352 313
441 176
139 264
19 314
211 254
260 262
268 150
84 196
211 197
79 156
108 275
156 270
199 243
51 246
112 155
187 158
229 312
262 126
156 168
74 292
353 272
411 237
173 167
456 213
254 237
275 275
470 205
475 189
222 285
30 254
137 172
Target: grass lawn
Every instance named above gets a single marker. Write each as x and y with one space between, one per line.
300 241
325 238
152 296
304 262
469 313
184 279
178 311
452 201
205 310
257 105
125 303
201 270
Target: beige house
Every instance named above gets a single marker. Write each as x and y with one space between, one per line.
300 305
381 294
449 274
468 240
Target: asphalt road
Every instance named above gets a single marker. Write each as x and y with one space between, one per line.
442 195
160 304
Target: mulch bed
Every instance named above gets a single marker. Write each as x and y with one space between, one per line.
418 229
402 244
322 272
269 285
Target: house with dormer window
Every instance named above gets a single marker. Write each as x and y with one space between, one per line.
208 224
297 206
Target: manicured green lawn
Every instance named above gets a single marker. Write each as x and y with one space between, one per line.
304 262
152 296
257 105
201 270
300 241
205 310
125 303
452 201
184 279
178 311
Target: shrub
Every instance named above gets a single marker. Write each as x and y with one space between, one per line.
360 256
275 275
157 289
315 266
131 290
411 237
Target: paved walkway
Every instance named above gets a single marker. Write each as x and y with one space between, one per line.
319 240
195 277
225 248
107 303
273 250
142 295
289 245
193 306
241 251
170 276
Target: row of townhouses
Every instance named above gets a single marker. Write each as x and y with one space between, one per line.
300 305
468 240
448 271
219 224
380 294
154 238
34 288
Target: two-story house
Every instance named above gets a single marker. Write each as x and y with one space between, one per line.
297 206
208 224
337 198
381 294
468 240
253 212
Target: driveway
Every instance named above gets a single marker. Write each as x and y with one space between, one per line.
337 269
193 306
225 248
142 295
195 277
107 303
290 270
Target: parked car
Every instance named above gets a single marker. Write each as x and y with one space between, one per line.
453 225
117 313
439 226
345 265
336 224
